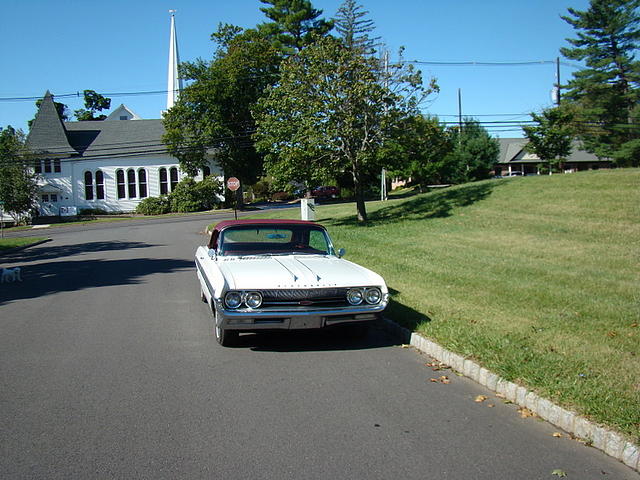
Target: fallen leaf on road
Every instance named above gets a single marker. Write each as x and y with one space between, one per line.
480 398
557 434
404 345
490 405
559 473
445 379
499 395
525 412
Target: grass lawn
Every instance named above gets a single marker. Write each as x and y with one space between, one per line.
536 278
9 243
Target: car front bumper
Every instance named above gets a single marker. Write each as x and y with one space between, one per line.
298 319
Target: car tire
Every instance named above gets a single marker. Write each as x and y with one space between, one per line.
226 338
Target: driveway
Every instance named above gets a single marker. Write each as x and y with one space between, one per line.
108 369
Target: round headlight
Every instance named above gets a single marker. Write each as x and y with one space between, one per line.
354 296
253 299
372 295
233 299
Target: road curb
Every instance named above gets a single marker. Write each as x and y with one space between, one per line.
609 441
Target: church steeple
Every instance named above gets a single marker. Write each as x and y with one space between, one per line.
174 83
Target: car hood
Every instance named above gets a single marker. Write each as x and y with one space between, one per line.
294 271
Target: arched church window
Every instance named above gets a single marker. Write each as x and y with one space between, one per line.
121 184
206 171
164 186
173 172
142 182
99 185
131 183
88 186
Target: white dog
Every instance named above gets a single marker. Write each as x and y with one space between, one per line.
10 275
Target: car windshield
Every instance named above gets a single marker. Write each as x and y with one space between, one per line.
274 240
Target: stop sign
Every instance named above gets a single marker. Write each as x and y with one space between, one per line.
233 184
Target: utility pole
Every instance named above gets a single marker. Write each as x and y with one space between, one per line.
383 173
558 81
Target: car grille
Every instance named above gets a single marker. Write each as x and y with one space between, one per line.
316 297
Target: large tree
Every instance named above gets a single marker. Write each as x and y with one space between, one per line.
330 113
93 103
550 139
213 113
604 96
18 185
294 24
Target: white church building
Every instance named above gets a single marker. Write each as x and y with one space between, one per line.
111 164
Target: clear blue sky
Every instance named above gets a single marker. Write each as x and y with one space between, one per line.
120 46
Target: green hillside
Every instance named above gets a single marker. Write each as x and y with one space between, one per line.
537 278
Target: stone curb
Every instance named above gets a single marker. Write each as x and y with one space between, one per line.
609 441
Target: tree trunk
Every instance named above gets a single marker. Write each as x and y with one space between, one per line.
360 205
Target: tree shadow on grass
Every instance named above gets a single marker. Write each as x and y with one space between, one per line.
432 205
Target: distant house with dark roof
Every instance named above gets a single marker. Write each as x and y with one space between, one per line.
110 165
514 158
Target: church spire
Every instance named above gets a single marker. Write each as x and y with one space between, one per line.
174 83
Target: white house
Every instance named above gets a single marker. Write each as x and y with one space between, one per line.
111 164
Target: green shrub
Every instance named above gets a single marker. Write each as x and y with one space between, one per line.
154 206
207 192
192 196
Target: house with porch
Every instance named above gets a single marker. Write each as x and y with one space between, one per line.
514 158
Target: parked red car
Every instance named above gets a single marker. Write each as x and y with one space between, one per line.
325 192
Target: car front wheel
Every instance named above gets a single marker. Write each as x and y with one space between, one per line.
226 338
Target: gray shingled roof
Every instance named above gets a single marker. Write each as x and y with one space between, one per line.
511 150
47 133
97 139
94 139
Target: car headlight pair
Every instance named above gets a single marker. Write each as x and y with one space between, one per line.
357 296
235 299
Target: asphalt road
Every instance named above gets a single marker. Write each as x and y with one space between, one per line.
108 369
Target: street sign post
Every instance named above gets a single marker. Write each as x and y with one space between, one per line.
233 184
1 219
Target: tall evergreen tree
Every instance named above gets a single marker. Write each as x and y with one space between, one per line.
604 96
294 23
354 27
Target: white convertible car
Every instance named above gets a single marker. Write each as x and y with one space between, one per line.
282 274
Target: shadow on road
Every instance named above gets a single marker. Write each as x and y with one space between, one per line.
333 339
49 251
50 277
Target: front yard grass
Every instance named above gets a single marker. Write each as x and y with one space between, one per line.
536 278
10 243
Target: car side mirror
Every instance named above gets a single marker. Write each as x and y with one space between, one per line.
212 254
341 252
